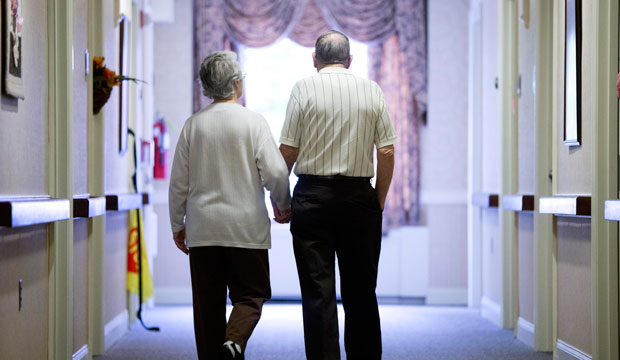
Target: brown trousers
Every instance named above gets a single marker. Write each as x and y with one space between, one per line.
245 272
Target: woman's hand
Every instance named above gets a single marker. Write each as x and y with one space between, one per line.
179 241
280 216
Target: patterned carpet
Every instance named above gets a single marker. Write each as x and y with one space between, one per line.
409 332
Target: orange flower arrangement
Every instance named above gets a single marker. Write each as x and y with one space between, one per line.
104 81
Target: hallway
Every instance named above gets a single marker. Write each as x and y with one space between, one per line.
409 332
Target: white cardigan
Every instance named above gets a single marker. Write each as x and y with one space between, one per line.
225 156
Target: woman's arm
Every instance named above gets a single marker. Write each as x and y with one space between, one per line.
178 191
273 171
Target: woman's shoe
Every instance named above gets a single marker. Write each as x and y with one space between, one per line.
232 351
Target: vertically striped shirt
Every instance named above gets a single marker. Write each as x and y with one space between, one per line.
335 118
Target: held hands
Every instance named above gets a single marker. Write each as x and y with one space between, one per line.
281 216
179 241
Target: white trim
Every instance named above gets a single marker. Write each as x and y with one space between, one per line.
60 176
116 328
96 187
603 112
525 332
446 296
443 197
544 260
509 157
173 296
569 352
491 311
474 161
81 354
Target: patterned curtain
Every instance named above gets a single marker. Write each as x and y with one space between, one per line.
396 29
310 25
388 68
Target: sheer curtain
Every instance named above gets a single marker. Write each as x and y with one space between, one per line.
396 29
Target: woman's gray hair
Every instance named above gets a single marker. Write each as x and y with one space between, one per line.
218 74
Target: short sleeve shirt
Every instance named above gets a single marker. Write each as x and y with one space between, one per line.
336 119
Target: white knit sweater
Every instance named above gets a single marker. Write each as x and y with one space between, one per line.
225 156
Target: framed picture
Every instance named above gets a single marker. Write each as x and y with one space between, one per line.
123 67
572 74
12 54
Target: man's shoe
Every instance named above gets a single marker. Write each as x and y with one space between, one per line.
232 351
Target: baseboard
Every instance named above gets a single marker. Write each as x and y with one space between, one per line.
491 311
525 332
81 354
569 352
173 296
446 296
115 329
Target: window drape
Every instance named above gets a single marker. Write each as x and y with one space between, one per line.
396 29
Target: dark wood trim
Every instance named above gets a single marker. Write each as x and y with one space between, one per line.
24 212
612 210
485 200
519 202
577 205
89 207
146 198
123 202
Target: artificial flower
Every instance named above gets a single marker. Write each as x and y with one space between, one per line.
98 62
14 6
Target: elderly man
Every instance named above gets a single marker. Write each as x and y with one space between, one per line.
333 121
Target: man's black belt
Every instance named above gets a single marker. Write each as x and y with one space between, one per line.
304 177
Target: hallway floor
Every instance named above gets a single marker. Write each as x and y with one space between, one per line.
409 332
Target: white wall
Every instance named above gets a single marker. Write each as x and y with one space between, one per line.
173 54
444 152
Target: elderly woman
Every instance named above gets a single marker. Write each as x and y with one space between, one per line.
225 156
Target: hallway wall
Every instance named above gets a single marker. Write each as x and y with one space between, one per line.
528 50
574 176
24 145
24 122
444 152
173 54
490 158
28 143
554 262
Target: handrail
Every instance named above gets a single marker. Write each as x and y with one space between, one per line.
26 211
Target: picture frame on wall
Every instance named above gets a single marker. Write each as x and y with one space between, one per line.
123 103
572 74
12 57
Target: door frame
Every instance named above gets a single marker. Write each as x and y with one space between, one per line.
508 70
474 173
604 233
96 187
544 339
60 117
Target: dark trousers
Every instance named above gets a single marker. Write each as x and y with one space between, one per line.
339 216
245 272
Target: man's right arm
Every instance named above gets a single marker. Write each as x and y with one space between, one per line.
385 169
289 154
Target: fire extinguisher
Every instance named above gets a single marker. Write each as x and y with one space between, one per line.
161 138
